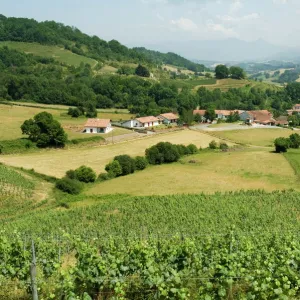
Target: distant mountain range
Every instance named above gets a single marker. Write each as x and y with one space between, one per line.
227 50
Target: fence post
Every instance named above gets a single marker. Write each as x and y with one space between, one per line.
33 274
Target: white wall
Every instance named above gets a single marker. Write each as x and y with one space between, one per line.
151 125
94 129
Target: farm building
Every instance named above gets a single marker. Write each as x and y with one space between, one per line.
224 114
258 116
168 118
282 120
296 108
143 122
97 126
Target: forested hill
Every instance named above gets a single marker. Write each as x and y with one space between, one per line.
171 59
71 38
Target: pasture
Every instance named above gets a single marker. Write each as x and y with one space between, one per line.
293 156
257 137
57 162
209 173
12 117
60 54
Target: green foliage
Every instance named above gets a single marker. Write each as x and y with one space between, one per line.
213 144
91 111
16 146
44 131
113 169
237 73
233 117
281 144
104 177
141 163
192 149
221 72
90 139
294 140
70 186
223 146
198 118
210 114
85 174
75 112
142 71
163 152
127 164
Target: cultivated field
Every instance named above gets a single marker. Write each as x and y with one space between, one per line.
212 172
257 137
57 162
12 117
59 54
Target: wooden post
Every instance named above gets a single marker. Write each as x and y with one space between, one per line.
33 274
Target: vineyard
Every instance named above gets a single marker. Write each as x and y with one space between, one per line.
242 245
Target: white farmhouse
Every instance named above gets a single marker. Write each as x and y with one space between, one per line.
97 126
143 122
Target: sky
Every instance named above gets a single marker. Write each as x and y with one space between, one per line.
140 22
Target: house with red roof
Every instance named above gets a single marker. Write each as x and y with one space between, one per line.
143 122
263 117
296 108
168 118
98 126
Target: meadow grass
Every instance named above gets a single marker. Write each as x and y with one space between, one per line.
209 173
293 156
60 54
56 162
257 136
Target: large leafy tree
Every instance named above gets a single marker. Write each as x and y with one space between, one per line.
237 73
222 72
44 131
142 71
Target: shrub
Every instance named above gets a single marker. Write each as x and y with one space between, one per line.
183 150
281 144
192 148
85 174
69 186
71 174
114 169
223 146
127 164
213 145
103 177
295 140
163 152
141 163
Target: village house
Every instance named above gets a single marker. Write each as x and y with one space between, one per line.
143 122
263 117
224 114
168 118
97 126
296 108
282 120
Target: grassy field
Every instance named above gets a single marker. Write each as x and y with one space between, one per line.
212 172
257 137
57 162
59 54
293 156
12 117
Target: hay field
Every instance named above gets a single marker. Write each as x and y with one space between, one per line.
57 162
257 137
12 117
213 172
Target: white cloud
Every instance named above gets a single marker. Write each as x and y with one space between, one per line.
160 17
220 28
228 18
185 24
235 6
280 1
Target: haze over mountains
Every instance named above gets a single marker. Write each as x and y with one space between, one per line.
231 49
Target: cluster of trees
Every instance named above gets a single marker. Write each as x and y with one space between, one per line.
234 72
44 131
289 76
283 144
89 110
171 59
294 119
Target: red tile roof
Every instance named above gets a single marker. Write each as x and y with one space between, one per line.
201 112
169 116
98 123
261 116
149 119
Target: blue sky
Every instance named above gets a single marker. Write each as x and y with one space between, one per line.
138 22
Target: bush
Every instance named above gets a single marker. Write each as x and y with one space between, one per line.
183 150
295 140
213 145
85 174
71 174
69 186
281 144
223 146
192 148
163 152
114 169
103 177
141 163
127 164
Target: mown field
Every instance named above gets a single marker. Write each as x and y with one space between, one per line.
12 117
59 54
208 172
57 162
257 137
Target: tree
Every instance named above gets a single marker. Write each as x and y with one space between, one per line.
44 131
210 114
281 144
198 118
85 174
113 169
127 164
295 140
142 71
91 111
141 163
163 152
213 145
237 72
222 72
